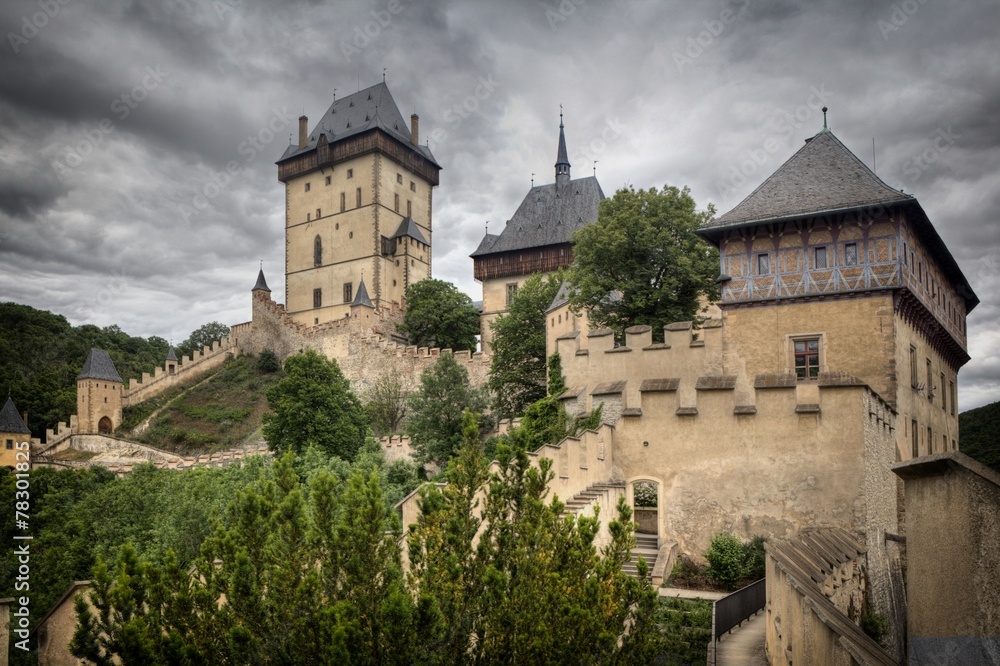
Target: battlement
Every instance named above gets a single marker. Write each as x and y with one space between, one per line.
396 447
198 363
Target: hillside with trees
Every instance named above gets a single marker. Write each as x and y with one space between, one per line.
979 434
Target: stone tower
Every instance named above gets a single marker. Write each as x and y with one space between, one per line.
358 199
99 395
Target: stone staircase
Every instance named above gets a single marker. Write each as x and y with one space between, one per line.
646 545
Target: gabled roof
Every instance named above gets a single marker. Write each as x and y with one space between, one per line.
362 111
11 421
361 297
561 298
548 215
486 244
99 366
261 282
823 176
409 228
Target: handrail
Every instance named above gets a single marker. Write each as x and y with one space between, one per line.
730 611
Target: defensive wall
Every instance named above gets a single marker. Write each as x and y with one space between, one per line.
188 367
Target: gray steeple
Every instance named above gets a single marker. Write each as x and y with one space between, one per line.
99 366
171 356
361 297
11 421
261 282
562 158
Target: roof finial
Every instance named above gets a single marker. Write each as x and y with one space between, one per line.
595 168
383 74
825 128
532 178
487 227
560 116
334 94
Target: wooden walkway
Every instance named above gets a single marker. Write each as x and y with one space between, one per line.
744 646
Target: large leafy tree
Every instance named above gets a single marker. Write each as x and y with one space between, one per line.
385 403
436 410
439 315
641 262
314 406
517 371
202 336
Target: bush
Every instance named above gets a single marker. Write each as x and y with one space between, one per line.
876 626
754 554
267 362
726 560
645 494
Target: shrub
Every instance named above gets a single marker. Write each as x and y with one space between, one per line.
645 494
267 362
754 557
876 626
726 560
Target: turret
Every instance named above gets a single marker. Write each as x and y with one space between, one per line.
562 159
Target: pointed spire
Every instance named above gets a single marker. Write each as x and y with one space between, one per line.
361 297
261 282
171 356
99 366
562 157
11 421
825 128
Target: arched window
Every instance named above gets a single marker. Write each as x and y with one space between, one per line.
104 426
317 251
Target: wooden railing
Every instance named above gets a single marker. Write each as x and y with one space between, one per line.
730 611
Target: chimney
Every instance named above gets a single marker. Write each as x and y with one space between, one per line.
303 131
415 129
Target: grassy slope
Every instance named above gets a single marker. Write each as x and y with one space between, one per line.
215 415
979 433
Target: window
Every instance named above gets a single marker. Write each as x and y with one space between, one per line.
350 173
763 264
930 379
309 217
308 185
413 186
944 394
399 178
348 292
409 208
913 367
319 213
317 251
343 202
511 292
954 396
819 255
317 298
357 198
10 444
930 440
915 438
329 180
807 359
851 254
396 202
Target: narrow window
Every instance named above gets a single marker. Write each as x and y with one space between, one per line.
343 202
309 217
915 438
930 440
409 208
913 367
317 298
763 264
930 380
319 213
851 254
350 173
329 180
348 292
511 292
357 198
308 185
944 394
954 396
807 359
413 186
396 202
317 251
399 178
820 256
10 444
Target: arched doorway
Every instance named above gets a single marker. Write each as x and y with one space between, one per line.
104 426
645 505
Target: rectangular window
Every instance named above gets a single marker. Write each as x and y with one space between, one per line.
763 264
396 202
913 367
399 178
915 437
413 186
930 379
930 440
319 213
348 292
357 197
954 397
308 185
807 359
343 202
511 292
10 444
317 298
329 180
409 208
820 257
350 173
944 394
851 254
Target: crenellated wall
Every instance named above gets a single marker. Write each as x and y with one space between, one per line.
196 365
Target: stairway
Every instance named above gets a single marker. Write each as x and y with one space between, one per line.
646 545
581 501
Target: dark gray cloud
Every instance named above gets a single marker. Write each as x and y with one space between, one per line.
96 204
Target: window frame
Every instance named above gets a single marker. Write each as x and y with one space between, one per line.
795 354
847 258
348 292
762 263
816 257
317 297
511 292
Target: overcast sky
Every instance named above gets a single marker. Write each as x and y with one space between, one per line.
113 119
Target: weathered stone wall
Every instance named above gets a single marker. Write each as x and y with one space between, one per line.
397 447
189 367
55 631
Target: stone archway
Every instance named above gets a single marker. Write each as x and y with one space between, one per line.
104 426
645 505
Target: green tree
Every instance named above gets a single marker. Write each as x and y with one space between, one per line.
979 430
439 315
517 371
202 336
385 404
436 410
314 406
642 263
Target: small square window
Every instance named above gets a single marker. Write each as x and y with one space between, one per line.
317 298
329 180
763 264
10 444
399 178
807 359
820 257
851 254
308 185
350 173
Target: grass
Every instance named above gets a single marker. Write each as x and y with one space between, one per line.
216 415
686 628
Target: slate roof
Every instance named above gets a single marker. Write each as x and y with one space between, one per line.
561 155
99 366
822 176
409 228
10 420
362 111
261 282
561 297
171 356
361 297
548 215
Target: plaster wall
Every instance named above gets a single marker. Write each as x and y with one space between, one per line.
96 399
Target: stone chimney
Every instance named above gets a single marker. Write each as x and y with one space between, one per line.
415 129
303 131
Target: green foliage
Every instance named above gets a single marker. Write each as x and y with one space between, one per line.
313 405
726 560
979 432
385 404
439 315
686 627
644 249
436 410
518 369
644 494
41 355
755 557
876 626
202 336
267 362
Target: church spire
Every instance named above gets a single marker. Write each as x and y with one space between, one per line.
562 159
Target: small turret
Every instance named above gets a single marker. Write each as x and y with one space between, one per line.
562 158
171 363
261 282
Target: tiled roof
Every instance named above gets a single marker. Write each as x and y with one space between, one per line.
261 282
361 297
353 114
822 176
548 215
99 366
409 228
10 420
171 356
